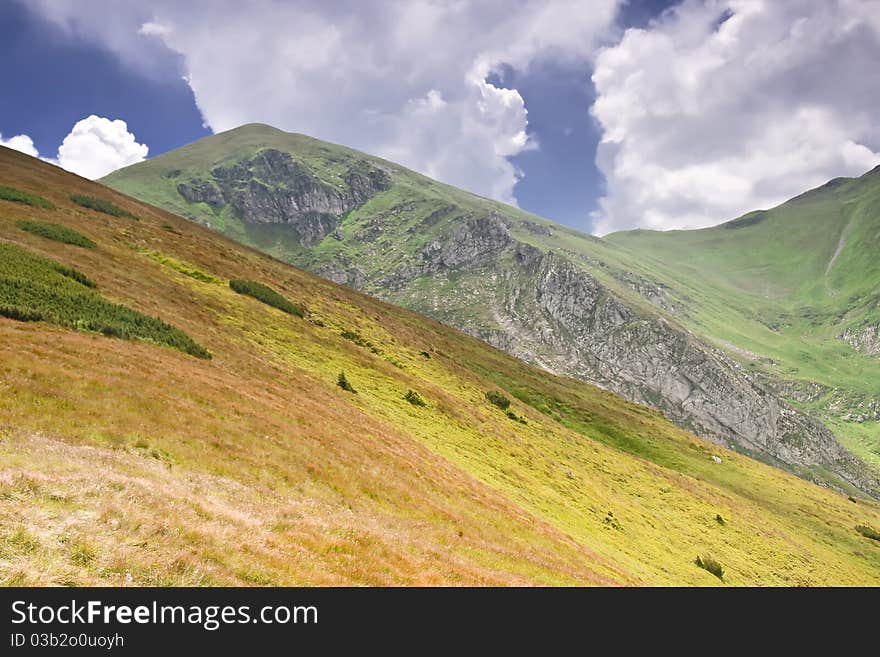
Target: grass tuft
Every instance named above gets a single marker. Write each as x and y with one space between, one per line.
414 398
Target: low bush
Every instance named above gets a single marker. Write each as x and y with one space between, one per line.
711 565
516 418
57 233
498 400
414 398
720 519
868 532
343 383
267 295
101 205
37 289
18 196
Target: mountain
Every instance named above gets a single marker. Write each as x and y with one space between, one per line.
794 294
552 296
171 413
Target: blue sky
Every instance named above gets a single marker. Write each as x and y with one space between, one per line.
509 104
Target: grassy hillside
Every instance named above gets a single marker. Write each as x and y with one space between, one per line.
779 289
128 459
768 291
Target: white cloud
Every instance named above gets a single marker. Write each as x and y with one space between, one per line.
96 146
405 80
93 148
703 118
21 143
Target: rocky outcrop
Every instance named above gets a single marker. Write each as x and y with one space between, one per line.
272 187
865 338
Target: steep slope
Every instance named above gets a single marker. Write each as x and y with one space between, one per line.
541 292
122 456
795 292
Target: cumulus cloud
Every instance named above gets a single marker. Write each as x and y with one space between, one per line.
404 80
21 143
93 148
721 107
96 146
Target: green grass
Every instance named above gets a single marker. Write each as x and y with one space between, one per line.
267 295
101 205
18 196
36 289
57 233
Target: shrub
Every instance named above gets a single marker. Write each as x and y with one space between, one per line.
57 233
414 398
709 564
425 355
343 383
498 399
37 289
868 532
18 196
101 205
516 418
719 519
267 295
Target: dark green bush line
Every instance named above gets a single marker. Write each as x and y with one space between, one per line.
343 383
36 289
868 532
708 563
101 205
267 295
57 233
18 196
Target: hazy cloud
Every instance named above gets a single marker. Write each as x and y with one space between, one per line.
723 107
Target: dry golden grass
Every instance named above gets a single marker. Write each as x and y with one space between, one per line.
123 459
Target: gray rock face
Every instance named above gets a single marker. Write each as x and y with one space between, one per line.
272 187
476 241
588 332
863 338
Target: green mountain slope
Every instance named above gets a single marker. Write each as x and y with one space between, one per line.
795 293
568 302
124 458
